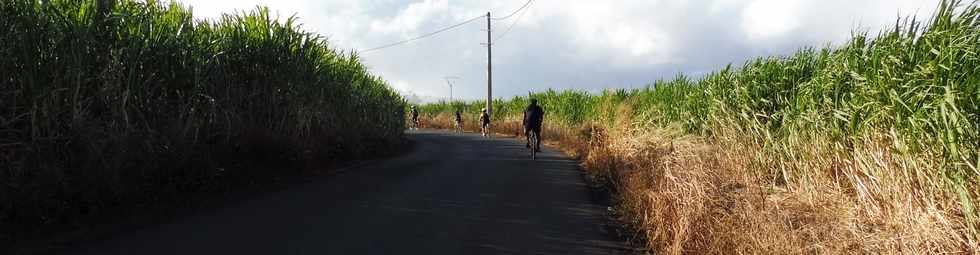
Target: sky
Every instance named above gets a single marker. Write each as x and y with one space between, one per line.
562 44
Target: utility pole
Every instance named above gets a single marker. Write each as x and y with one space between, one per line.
489 71
450 83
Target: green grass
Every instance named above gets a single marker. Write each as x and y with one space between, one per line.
113 104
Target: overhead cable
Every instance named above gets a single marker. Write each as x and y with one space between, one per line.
515 12
514 23
422 36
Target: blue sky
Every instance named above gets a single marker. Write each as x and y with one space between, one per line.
560 44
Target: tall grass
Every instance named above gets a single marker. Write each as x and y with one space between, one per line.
871 146
108 105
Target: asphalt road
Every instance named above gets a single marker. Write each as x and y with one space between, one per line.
453 194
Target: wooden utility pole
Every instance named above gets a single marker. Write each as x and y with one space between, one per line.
489 71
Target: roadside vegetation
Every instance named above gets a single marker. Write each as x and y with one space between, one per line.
110 107
867 147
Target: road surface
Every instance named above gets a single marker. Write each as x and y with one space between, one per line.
453 194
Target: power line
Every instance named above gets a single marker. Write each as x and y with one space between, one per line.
515 22
519 10
422 36
515 12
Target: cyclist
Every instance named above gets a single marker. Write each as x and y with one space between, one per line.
415 117
484 122
533 118
459 121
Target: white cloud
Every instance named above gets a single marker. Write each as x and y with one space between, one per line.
411 19
574 44
630 39
764 19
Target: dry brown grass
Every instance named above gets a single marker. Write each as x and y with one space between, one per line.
685 194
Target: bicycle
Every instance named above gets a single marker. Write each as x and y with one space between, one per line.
485 130
535 146
458 126
416 123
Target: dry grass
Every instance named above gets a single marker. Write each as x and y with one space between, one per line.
684 194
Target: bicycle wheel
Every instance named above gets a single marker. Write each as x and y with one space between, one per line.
534 145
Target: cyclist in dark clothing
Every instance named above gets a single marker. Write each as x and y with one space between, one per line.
458 123
533 118
484 122
415 117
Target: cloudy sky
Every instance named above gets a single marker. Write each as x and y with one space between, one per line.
581 44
